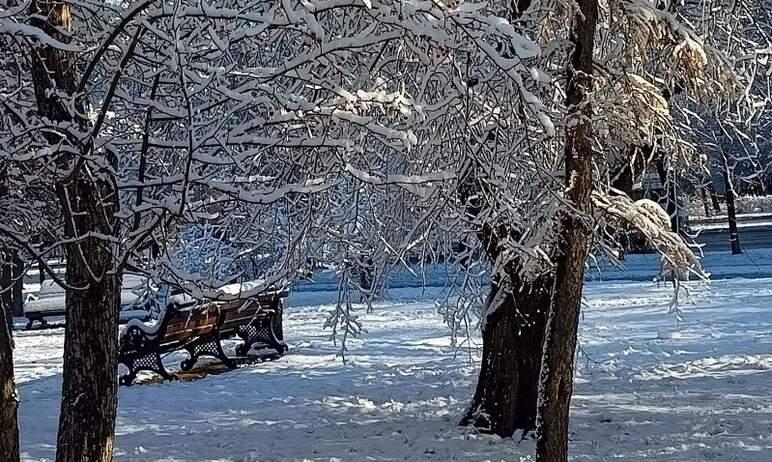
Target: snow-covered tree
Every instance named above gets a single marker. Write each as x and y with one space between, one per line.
357 133
146 119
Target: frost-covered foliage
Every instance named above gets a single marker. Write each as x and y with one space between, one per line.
659 65
26 199
203 252
329 131
353 134
733 132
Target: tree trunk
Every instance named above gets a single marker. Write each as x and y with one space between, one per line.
18 286
734 235
557 373
671 205
89 389
6 292
9 399
705 205
513 331
6 269
507 389
88 197
714 197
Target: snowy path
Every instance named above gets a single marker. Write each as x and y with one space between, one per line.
647 388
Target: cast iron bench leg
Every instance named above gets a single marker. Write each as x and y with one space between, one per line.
208 346
264 333
277 332
148 362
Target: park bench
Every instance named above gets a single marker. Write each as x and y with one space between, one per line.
199 328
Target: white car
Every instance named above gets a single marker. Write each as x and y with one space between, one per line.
50 301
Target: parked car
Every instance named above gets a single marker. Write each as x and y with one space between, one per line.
49 302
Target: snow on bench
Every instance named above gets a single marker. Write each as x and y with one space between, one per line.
198 327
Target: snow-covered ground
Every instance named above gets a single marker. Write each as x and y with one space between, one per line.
649 387
752 263
744 223
743 205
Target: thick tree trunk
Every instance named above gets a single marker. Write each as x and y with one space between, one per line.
513 331
557 373
89 390
88 198
507 389
734 235
9 399
7 259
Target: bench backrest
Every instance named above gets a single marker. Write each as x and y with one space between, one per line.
239 313
188 323
186 319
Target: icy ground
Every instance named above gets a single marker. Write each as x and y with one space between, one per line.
649 387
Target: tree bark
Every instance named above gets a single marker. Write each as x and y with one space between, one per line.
671 194
18 286
88 197
734 235
705 204
507 389
714 197
557 373
89 389
6 290
9 398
